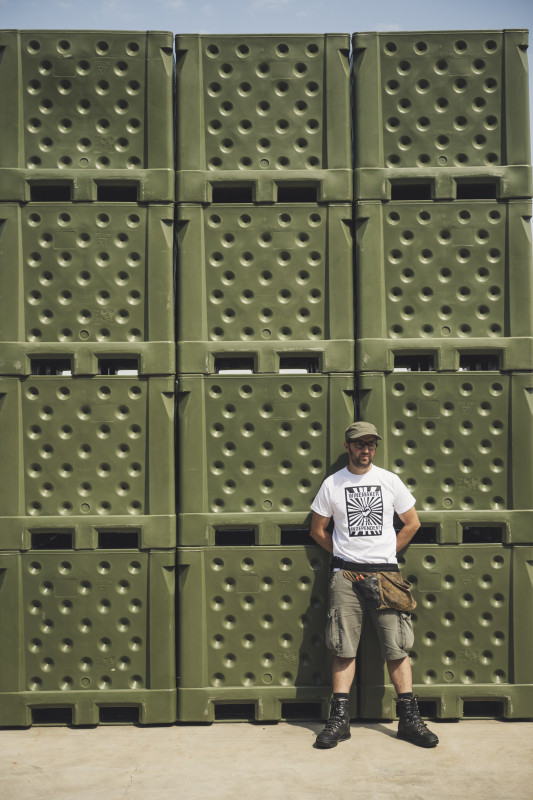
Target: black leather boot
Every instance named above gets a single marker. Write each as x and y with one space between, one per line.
338 725
410 727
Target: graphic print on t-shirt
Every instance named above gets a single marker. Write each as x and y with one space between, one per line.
364 510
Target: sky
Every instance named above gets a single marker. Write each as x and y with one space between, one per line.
266 16
269 16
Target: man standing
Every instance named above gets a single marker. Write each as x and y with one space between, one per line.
362 499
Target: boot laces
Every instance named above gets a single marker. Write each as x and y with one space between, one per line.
335 720
417 723
413 718
333 724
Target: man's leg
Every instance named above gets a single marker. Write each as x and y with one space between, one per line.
343 673
401 674
410 726
396 638
342 636
338 725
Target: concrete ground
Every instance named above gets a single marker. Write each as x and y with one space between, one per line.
484 759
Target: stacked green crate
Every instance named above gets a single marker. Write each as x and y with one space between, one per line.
444 351
275 284
441 115
263 114
472 650
90 116
87 368
265 361
94 634
94 283
449 282
251 625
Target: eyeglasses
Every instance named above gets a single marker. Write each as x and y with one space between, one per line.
360 445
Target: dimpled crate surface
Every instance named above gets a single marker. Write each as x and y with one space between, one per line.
264 610
448 270
96 631
458 439
86 620
462 620
445 99
472 625
81 446
259 442
264 101
91 272
263 273
84 97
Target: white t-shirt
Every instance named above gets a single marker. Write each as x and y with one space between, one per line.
362 507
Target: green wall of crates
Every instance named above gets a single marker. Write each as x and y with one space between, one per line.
203 285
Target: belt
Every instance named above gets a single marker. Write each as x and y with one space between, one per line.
340 563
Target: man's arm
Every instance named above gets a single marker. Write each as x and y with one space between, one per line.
319 533
411 524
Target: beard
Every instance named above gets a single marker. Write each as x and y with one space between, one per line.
361 458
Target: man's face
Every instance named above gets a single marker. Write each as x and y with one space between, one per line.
361 451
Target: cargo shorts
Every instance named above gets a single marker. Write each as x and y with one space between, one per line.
345 622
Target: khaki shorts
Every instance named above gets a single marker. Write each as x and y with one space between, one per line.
345 621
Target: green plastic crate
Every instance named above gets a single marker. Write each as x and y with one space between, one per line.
460 441
265 280
251 633
264 110
444 100
94 281
87 637
90 114
97 447
265 527
259 443
82 532
282 528
448 279
475 527
473 644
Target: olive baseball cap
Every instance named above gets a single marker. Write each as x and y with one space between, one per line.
357 429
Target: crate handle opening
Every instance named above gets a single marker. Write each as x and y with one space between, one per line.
411 190
127 192
235 537
295 536
243 711
237 365
118 540
45 365
302 364
414 363
476 190
479 362
46 192
52 540
222 193
118 366
294 193
482 534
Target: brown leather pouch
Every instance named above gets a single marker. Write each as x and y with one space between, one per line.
395 592
383 590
